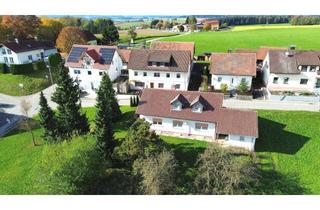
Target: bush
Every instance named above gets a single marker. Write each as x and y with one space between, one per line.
224 88
21 68
39 65
3 68
55 60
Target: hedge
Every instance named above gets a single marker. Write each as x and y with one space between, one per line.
39 65
21 68
3 68
55 59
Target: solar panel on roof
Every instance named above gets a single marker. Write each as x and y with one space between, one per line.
107 55
75 53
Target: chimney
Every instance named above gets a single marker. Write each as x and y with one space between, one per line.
16 40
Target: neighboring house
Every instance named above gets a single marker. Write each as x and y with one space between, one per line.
292 70
198 115
232 68
90 37
25 51
177 30
125 56
87 63
168 69
160 45
214 24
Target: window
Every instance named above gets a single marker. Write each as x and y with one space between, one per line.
135 73
318 83
76 71
11 60
160 85
197 108
177 124
312 68
158 63
303 81
286 80
6 60
100 73
162 64
177 86
275 80
201 126
9 51
89 72
145 74
4 51
219 79
149 63
30 57
176 105
243 80
157 121
232 81
168 75
42 55
156 74
178 75
304 68
139 84
241 138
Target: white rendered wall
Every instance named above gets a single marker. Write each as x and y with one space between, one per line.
227 79
247 143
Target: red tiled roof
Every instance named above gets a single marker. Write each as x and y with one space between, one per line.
189 46
240 64
156 102
125 55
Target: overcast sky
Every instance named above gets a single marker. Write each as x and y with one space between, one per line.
161 7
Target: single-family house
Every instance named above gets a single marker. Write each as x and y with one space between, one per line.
125 56
87 63
291 70
167 69
214 24
198 115
231 69
25 51
161 45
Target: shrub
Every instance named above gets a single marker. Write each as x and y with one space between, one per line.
55 60
3 68
224 87
21 68
39 65
243 87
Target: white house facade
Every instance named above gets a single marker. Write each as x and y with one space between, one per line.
198 115
21 52
88 63
164 69
297 71
231 69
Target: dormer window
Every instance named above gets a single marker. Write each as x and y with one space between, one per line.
197 107
176 105
178 102
304 68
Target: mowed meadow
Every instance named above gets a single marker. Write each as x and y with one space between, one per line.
253 37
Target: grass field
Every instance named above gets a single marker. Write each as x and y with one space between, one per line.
32 83
303 37
288 151
142 35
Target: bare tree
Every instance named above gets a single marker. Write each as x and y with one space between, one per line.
25 108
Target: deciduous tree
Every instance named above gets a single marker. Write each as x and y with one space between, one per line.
110 34
132 34
21 26
69 36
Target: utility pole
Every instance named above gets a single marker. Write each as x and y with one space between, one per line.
49 67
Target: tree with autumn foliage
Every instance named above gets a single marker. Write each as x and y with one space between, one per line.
49 29
21 26
69 36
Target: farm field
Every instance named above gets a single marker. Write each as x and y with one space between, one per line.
253 37
287 150
142 35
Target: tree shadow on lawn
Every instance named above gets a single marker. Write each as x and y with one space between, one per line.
127 119
273 138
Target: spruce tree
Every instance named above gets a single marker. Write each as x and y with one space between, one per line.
104 131
48 120
131 101
67 95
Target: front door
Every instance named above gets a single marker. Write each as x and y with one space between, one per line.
151 85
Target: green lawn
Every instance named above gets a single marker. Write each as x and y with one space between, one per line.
221 41
288 152
33 82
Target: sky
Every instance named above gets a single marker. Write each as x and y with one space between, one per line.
161 7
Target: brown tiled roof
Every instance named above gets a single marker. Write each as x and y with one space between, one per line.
211 22
156 102
89 36
189 46
125 55
242 50
159 56
139 59
240 64
287 62
28 45
263 51
91 48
